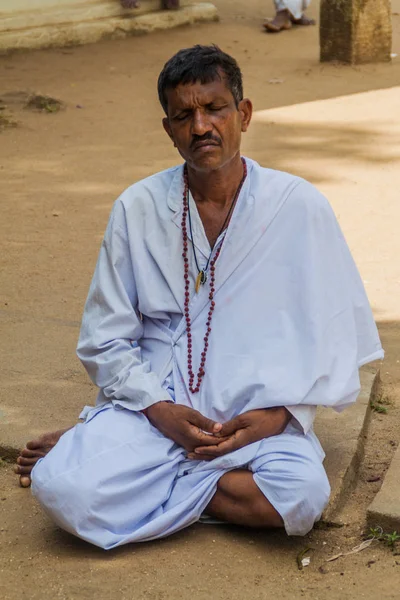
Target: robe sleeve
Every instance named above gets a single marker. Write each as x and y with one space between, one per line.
303 416
111 325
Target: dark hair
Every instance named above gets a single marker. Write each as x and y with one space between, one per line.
203 64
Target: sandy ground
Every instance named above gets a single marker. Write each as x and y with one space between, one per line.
337 126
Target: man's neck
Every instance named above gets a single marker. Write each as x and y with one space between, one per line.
216 187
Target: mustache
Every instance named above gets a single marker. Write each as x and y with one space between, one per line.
207 137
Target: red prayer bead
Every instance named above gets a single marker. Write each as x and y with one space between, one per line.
201 371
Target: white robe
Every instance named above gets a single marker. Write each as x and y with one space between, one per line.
292 323
295 7
291 327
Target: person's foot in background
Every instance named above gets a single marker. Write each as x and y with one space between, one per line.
284 20
130 3
281 21
167 4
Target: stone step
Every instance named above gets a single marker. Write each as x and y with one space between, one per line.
384 510
342 436
89 23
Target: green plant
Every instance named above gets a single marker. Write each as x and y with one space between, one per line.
375 533
389 539
377 406
44 103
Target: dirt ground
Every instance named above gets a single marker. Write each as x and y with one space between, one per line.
338 127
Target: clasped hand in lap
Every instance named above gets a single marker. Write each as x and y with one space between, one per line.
205 439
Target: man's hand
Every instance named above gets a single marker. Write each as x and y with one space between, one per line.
185 426
245 429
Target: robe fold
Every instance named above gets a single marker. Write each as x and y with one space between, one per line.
292 323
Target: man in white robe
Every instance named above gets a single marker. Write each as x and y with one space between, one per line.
224 308
289 13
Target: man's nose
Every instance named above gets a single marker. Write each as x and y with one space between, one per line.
201 123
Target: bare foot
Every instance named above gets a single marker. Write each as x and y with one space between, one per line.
130 3
171 4
35 450
282 20
305 21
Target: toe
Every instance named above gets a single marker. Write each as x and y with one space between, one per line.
22 470
271 27
34 444
29 453
21 460
25 481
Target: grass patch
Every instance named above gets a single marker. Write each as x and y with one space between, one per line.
380 404
44 103
378 408
389 539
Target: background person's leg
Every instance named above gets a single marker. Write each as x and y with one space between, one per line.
281 20
288 12
296 8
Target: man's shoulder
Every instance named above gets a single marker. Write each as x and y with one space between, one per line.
269 178
150 188
291 188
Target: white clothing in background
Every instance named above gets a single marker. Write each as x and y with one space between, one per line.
295 7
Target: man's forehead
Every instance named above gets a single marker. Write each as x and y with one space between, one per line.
185 92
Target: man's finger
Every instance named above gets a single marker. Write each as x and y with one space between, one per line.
231 426
204 423
229 445
205 439
193 456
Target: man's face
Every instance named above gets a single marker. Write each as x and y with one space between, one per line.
205 124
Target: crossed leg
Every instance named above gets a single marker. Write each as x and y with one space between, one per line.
79 482
237 500
240 501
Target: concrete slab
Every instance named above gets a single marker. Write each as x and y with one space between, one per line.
384 511
342 437
80 25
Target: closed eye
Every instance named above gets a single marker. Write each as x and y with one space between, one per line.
213 107
181 117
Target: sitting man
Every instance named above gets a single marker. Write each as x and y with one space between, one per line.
224 308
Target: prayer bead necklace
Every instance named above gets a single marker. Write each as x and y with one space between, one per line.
200 280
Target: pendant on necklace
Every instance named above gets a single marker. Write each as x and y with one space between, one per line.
200 280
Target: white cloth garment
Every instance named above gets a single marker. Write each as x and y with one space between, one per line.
295 7
291 327
116 479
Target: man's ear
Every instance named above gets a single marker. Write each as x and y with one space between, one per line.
246 111
167 128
